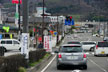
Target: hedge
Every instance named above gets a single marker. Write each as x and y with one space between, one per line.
13 62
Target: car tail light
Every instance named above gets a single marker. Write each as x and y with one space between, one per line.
84 55
96 46
59 56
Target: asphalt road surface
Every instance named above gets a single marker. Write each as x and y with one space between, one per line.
95 64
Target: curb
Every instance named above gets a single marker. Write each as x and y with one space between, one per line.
38 66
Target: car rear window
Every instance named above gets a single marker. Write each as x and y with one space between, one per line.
102 44
88 43
71 49
73 42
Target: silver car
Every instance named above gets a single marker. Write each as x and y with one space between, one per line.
70 54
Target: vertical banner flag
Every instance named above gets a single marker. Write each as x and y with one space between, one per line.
25 45
47 43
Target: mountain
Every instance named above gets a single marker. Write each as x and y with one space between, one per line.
65 7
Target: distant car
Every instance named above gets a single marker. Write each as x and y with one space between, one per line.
73 42
105 39
88 45
10 44
97 35
70 54
101 48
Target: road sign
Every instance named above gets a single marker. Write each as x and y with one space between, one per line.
16 1
0 36
68 22
45 32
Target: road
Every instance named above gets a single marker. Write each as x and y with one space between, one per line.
95 64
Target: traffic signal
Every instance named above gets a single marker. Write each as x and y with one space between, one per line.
68 18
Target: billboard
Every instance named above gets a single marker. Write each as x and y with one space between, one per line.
16 1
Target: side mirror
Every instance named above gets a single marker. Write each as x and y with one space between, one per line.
56 52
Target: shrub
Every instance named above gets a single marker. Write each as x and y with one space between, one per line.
21 69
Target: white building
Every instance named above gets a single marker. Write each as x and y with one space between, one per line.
40 11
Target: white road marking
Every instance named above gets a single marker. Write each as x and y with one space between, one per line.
76 71
49 64
97 65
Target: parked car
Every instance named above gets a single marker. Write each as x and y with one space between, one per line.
88 45
70 54
101 48
105 39
10 44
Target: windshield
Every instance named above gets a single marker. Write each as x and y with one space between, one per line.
71 49
88 43
73 42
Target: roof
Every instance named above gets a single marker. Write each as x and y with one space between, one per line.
7 25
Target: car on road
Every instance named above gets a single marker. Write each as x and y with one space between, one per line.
101 49
72 55
88 45
10 44
105 39
97 35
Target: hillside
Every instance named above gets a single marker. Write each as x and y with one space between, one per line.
65 7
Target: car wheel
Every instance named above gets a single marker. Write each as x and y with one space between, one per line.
92 49
19 49
58 67
5 50
95 55
85 67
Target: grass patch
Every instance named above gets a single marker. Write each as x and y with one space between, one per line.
35 63
21 69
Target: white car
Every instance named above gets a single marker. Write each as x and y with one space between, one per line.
101 48
10 44
97 35
88 45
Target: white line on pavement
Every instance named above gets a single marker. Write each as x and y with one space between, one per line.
48 64
97 65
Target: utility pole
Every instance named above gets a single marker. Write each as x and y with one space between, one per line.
25 34
43 23
104 29
25 16
57 30
19 19
107 30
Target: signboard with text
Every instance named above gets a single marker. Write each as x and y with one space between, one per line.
25 45
16 1
47 43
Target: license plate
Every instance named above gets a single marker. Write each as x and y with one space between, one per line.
72 57
103 52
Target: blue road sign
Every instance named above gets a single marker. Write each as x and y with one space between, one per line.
69 22
0 36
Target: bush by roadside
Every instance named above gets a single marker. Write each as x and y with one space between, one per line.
14 62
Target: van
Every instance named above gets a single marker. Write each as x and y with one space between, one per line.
10 44
101 48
